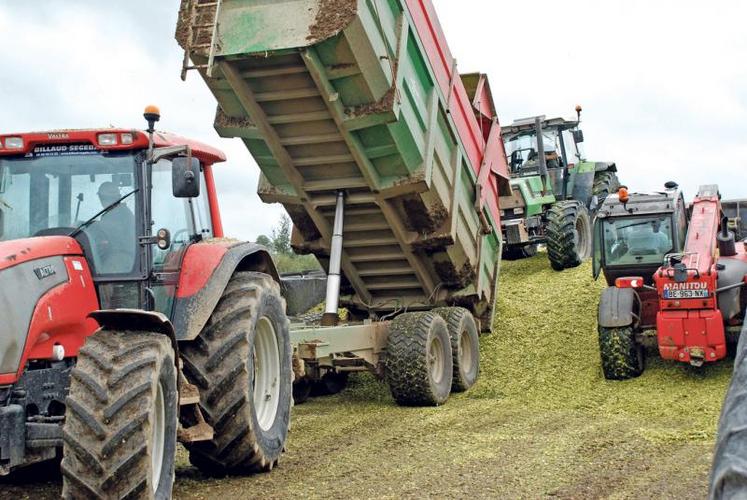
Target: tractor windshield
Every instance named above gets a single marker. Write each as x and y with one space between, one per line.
643 240
46 194
522 151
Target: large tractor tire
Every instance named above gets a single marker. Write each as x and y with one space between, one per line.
622 356
122 411
419 365
729 470
605 183
568 235
465 346
241 362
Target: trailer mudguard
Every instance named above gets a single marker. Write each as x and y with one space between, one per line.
616 307
206 269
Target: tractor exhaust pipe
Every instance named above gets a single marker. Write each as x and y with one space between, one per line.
332 301
541 154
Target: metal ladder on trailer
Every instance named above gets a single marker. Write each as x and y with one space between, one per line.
194 9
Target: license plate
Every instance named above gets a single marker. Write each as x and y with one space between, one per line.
685 294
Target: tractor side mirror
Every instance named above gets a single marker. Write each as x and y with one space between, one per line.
185 177
578 136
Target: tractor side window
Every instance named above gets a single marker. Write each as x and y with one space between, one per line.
203 221
637 241
173 214
570 148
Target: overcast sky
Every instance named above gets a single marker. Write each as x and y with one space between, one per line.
663 84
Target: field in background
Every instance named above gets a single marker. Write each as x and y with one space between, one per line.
542 421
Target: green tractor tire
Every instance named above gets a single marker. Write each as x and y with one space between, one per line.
605 183
568 235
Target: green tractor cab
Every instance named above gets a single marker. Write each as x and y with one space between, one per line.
555 191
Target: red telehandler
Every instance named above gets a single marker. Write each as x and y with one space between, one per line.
694 301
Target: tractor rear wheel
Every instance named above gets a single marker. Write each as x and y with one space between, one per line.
465 346
568 235
241 362
419 366
622 356
729 470
605 183
120 429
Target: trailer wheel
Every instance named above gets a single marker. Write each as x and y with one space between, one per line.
331 383
241 362
419 366
728 477
604 184
622 356
302 390
120 429
568 235
516 252
465 346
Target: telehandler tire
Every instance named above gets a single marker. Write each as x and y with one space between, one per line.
605 183
517 253
728 477
122 411
622 356
419 366
465 346
241 362
568 235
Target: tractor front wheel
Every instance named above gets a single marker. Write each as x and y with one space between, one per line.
568 235
622 356
241 362
119 437
419 366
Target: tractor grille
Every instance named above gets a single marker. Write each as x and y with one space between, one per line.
513 235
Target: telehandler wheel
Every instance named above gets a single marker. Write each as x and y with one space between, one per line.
568 235
331 383
419 366
622 356
120 429
465 346
604 184
241 362
728 477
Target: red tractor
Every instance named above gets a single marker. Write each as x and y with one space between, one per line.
683 279
130 323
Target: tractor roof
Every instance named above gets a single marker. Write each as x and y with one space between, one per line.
136 139
663 202
527 124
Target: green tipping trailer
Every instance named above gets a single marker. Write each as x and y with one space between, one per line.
389 163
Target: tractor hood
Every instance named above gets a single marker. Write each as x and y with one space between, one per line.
29 268
15 252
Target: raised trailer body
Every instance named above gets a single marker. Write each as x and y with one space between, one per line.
355 107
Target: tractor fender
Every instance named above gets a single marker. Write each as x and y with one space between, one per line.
137 319
616 307
206 270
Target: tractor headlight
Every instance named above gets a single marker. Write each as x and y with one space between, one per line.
14 143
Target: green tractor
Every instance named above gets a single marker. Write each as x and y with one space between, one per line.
555 191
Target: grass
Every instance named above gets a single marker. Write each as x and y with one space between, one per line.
541 421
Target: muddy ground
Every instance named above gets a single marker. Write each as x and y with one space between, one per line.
542 421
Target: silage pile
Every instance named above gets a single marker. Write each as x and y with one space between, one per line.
544 355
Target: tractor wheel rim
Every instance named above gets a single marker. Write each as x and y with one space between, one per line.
436 360
266 373
580 238
465 351
158 435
